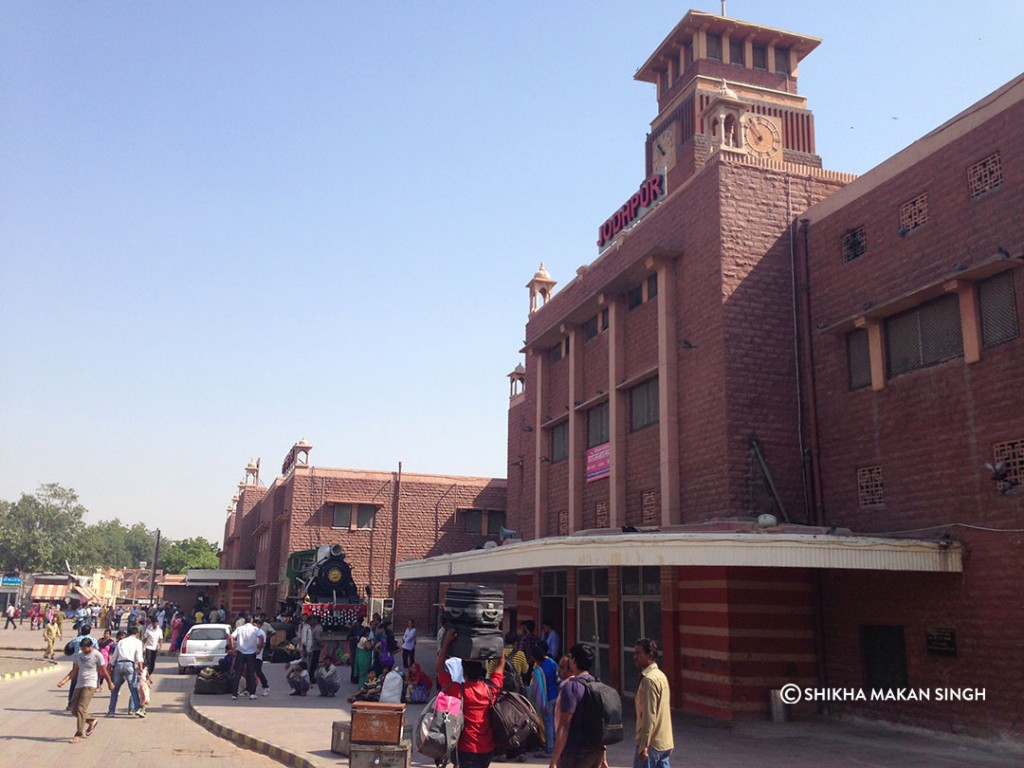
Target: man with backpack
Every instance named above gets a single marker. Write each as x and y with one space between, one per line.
588 716
476 744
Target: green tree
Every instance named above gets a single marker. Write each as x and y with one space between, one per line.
42 531
179 556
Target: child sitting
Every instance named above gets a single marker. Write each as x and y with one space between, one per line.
298 678
369 690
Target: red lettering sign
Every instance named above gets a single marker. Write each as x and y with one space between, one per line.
651 190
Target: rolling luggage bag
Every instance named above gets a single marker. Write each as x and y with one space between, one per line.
476 643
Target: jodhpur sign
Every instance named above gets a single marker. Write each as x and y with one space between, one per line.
650 191
10 582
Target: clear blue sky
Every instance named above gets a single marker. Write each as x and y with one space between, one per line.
227 226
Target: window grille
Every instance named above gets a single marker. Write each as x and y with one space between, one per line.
563 522
985 175
870 489
1012 452
858 358
998 309
855 245
650 507
913 213
924 336
601 514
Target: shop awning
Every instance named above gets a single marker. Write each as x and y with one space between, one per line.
49 592
766 550
86 593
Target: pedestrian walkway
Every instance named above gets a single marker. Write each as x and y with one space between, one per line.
34 727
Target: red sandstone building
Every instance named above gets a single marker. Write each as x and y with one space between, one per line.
379 518
755 428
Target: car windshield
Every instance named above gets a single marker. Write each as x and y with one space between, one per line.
208 633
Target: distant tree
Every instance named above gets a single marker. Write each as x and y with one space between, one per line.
42 531
139 541
179 556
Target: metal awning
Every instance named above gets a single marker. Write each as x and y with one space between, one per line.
764 550
86 593
49 592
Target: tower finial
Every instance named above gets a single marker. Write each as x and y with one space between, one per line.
723 7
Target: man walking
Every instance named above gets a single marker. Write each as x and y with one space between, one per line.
153 640
575 747
51 633
653 719
548 669
128 663
9 613
316 633
258 621
87 671
249 640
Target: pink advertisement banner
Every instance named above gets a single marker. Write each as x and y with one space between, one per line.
599 460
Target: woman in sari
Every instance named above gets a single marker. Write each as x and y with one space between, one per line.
417 685
106 646
176 632
364 656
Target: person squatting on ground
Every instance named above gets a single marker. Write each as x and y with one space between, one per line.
327 678
127 663
467 680
583 750
248 639
87 670
298 679
653 716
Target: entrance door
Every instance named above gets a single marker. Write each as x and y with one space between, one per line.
641 617
593 630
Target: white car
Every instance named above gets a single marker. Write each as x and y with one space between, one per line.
203 646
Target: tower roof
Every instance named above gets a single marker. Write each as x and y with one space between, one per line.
693 21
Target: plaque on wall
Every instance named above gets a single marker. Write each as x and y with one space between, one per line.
941 641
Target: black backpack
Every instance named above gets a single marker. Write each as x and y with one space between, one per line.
514 722
597 721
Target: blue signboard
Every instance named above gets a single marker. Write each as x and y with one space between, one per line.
10 581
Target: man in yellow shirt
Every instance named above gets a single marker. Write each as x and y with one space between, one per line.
653 717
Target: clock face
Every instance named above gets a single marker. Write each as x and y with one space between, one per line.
762 136
663 150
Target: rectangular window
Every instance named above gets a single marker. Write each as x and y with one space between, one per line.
885 656
597 425
924 336
985 175
760 57
555 353
736 52
870 489
592 581
858 358
998 308
474 520
782 61
342 516
366 514
714 47
567 345
652 287
495 521
560 441
635 297
643 401
590 328
855 245
604 319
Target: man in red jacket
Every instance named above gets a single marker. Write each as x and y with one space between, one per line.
476 744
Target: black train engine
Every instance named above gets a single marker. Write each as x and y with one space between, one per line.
331 592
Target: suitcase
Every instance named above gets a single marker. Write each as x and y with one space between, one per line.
376 723
212 685
476 643
381 755
341 736
474 605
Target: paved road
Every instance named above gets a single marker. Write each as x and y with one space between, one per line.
34 729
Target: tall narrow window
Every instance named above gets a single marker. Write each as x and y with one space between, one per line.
597 425
652 287
643 400
858 358
998 307
714 47
560 441
736 52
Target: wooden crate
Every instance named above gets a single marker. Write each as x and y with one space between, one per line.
381 755
376 723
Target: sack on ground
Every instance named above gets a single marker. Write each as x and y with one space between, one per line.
515 723
598 717
439 727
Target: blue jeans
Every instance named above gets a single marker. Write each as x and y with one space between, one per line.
655 759
125 672
549 729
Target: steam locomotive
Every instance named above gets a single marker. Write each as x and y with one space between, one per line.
325 584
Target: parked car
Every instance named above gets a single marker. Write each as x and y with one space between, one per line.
203 646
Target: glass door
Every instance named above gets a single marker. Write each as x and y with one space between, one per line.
593 630
641 617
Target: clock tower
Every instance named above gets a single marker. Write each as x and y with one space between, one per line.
726 85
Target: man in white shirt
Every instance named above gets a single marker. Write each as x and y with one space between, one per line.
249 640
258 621
153 640
127 663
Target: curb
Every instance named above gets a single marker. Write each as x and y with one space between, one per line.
273 751
52 665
